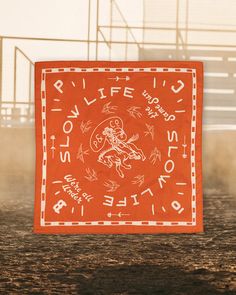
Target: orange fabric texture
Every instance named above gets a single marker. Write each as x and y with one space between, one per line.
118 147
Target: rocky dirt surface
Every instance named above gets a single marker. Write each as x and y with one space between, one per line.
118 264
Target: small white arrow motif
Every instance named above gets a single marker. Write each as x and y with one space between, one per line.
184 145
116 214
53 137
127 78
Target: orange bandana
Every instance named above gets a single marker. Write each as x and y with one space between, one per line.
118 147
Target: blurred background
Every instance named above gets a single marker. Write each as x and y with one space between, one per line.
37 30
32 31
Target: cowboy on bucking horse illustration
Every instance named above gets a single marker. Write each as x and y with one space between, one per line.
119 149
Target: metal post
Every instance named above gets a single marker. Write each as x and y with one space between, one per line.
30 74
97 29
88 36
177 28
15 61
186 26
110 32
126 43
1 59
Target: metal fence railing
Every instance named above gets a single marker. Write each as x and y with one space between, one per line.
219 61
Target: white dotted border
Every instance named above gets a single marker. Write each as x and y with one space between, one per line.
44 162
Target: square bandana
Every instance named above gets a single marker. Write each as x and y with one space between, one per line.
118 147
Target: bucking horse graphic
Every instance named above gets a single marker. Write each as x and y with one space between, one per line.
110 140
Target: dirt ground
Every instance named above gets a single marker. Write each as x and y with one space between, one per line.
118 264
